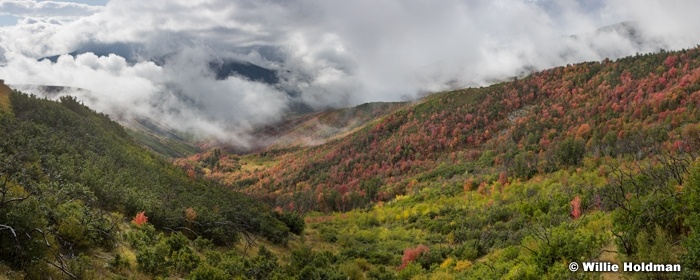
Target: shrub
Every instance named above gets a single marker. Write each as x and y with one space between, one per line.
207 272
294 221
140 219
570 151
411 254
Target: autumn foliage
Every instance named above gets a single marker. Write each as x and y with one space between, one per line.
190 214
540 123
411 254
576 207
140 219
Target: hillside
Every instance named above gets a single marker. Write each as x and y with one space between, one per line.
590 161
148 132
71 179
317 128
606 105
4 96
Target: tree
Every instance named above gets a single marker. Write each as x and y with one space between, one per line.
570 151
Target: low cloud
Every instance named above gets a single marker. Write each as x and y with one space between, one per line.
325 53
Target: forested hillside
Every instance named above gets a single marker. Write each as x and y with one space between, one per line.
71 179
592 161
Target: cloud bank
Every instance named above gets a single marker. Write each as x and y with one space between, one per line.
325 53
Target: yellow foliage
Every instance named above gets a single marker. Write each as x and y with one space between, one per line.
17 190
463 265
451 237
447 263
441 275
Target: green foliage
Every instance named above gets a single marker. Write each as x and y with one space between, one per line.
66 172
691 259
170 255
263 266
119 264
206 272
524 166
411 270
570 151
294 221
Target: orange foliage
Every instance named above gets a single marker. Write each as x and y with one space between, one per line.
140 219
576 207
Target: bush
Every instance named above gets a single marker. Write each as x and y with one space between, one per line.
119 263
570 151
294 221
207 272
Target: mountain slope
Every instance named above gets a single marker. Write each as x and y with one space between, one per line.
313 129
598 103
593 161
69 176
147 132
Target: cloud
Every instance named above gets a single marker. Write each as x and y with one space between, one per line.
325 53
32 8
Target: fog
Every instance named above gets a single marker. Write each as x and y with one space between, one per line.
325 53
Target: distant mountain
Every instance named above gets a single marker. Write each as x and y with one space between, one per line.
222 68
315 128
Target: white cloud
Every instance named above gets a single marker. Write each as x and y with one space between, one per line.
32 8
327 53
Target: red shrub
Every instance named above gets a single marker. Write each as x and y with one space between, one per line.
140 219
411 254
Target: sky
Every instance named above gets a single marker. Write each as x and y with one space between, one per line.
326 53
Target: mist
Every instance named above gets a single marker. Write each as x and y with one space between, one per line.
325 54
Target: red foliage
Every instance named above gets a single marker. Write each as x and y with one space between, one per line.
140 219
191 174
671 60
576 207
411 254
503 178
581 101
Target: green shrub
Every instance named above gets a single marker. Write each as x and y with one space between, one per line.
207 272
570 151
294 221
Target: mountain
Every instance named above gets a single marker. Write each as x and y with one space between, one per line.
596 161
315 128
590 162
221 68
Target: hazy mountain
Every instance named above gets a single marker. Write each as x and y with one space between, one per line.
221 68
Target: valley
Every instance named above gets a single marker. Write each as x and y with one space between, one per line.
595 161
